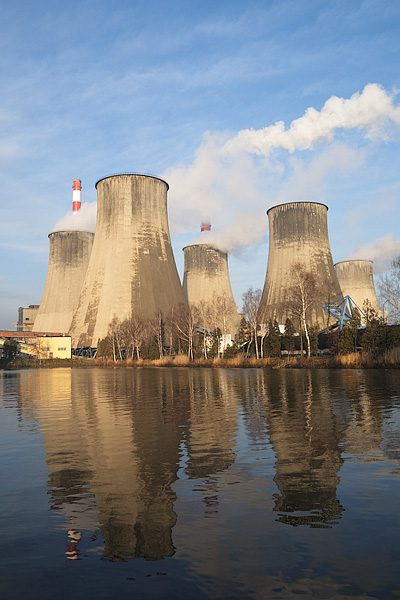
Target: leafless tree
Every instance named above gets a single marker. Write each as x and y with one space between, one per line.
135 332
389 291
185 322
251 302
205 319
302 294
115 334
157 325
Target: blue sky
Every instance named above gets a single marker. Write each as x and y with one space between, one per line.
93 88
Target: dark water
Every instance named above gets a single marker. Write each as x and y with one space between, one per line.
199 483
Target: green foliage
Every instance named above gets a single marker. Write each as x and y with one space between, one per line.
10 348
346 340
313 333
288 337
272 341
104 348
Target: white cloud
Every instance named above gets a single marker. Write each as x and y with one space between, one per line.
235 179
381 251
83 220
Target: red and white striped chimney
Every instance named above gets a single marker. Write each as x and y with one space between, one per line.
205 225
76 195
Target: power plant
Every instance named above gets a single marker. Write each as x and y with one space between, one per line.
69 253
132 270
298 237
356 280
207 285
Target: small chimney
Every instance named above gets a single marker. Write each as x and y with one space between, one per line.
206 225
76 195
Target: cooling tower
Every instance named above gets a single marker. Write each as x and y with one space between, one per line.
206 283
132 269
356 280
69 255
298 233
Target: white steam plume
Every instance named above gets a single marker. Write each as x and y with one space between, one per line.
82 220
236 179
381 251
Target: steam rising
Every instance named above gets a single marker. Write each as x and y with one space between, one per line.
381 251
82 220
236 179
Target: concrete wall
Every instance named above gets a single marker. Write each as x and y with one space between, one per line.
69 255
206 283
132 269
26 317
356 280
298 233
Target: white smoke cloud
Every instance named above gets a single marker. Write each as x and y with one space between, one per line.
381 251
368 111
82 220
236 179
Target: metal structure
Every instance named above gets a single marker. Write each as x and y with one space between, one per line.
69 254
342 311
132 269
356 280
298 235
207 285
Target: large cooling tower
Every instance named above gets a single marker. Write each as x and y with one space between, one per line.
298 233
69 255
356 280
206 283
132 269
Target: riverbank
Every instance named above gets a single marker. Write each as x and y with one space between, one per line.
365 360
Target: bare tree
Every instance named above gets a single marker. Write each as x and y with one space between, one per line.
251 302
115 334
389 290
205 319
135 332
301 296
157 325
186 321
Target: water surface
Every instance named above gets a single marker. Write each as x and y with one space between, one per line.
200 483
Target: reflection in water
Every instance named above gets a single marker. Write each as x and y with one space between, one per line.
208 467
113 448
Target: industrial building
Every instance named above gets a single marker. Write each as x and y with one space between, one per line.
69 254
38 344
207 285
298 235
132 270
26 317
356 280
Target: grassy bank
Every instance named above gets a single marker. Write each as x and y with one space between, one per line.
365 360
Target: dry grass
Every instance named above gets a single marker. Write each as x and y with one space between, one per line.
390 359
350 361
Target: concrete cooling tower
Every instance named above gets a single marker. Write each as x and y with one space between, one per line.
356 280
298 233
132 269
69 255
206 283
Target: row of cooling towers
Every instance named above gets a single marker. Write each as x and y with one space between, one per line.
127 266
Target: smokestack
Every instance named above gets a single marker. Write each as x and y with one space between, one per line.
132 269
206 281
298 233
76 195
356 280
205 225
69 254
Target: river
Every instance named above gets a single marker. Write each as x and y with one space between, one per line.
199 483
